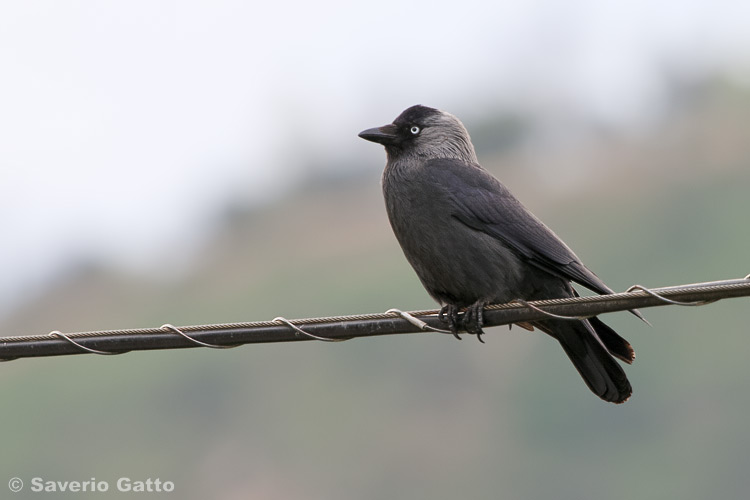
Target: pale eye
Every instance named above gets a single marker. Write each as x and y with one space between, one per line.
414 130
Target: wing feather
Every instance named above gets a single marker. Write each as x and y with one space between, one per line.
484 204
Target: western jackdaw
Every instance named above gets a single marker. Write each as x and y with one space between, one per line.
472 243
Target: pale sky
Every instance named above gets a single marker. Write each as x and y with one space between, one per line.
125 124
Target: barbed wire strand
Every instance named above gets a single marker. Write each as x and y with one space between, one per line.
340 328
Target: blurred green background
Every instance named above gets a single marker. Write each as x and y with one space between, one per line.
661 202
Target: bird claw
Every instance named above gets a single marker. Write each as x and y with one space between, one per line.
472 321
449 314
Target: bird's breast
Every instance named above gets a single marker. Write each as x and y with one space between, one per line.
454 262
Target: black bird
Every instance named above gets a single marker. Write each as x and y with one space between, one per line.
472 243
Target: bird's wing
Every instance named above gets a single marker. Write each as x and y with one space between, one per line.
484 204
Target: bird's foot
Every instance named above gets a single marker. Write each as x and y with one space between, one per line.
449 314
473 319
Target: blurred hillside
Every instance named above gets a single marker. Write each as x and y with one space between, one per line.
419 416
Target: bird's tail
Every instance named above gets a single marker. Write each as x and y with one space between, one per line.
588 345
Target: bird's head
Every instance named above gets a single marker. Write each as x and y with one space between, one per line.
424 132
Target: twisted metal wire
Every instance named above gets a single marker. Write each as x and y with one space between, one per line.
577 308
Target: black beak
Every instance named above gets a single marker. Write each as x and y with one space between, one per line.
387 134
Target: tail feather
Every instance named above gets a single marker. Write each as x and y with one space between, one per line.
601 372
616 345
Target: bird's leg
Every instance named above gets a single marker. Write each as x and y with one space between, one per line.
449 314
474 319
